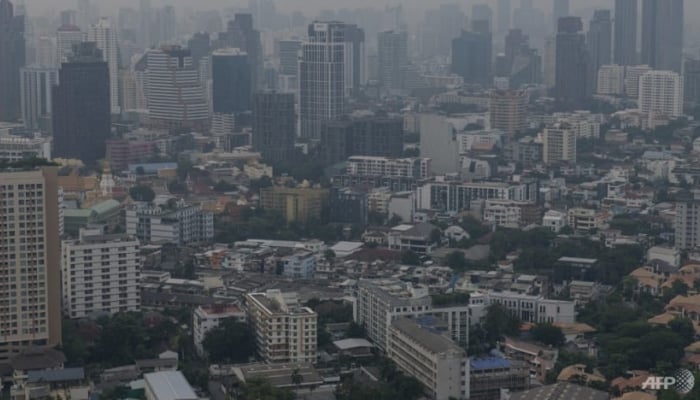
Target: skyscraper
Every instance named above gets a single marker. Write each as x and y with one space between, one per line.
274 126
662 34
241 34
661 93
231 81
508 110
393 58
560 9
355 59
175 96
166 25
599 42
625 32
200 46
36 85
504 11
288 75
81 106
145 24
691 82
67 36
472 54
12 58
572 76
482 12
30 294
322 77
105 38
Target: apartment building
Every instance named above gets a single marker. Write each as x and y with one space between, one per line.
284 330
209 317
529 308
300 265
433 359
559 144
455 196
100 274
418 168
584 219
510 213
296 204
181 224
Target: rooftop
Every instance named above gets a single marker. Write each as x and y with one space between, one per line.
488 363
561 391
433 342
169 385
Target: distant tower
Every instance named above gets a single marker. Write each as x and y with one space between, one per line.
662 34
626 32
393 58
504 12
599 42
472 54
241 34
572 84
560 9
36 86
105 37
12 58
231 81
274 126
67 36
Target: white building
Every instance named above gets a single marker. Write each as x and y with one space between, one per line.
384 166
559 144
300 265
284 330
180 225
661 93
15 148
439 142
433 359
209 317
402 204
687 226
456 196
506 213
554 220
528 308
632 75
67 36
611 80
106 39
100 274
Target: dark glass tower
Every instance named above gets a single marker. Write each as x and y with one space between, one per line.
599 42
12 58
626 32
274 126
241 34
572 84
472 54
662 34
81 108
231 78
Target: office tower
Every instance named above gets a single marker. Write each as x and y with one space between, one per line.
240 34
145 24
355 59
599 42
200 46
503 14
560 9
662 34
81 109
231 81
105 38
661 93
471 54
67 36
523 64
36 85
288 52
367 136
30 314
482 12
69 17
549 67
440 27
12 58
46 53
691 82
175 96
572 77
625 32
109 286
165 25
508 110
559 144
87 14
274 126
322 77
532 22
393 58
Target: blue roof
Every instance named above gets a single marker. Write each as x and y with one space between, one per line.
56 375
488 363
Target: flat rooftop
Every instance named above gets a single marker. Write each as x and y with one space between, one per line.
170 385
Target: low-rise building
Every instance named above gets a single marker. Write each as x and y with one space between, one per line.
168 385
296 204
209 317
180 224
584 219
417 238
301 264
554 220
284 330
490 375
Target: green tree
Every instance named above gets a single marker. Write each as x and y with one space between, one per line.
548 334
410 258
142 193
500 322
230 342
297 378
456 261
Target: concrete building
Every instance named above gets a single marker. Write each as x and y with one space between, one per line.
36 84
510 213
529 308
284 330
687 224
662 34
208 317
559 145
489 376
182 224
438 141
168 385
67 36
33 256
105 37
367 136
296 204
300 265
632 76
661 93
611 80
508 110
456 196
418 168
100 274
584 219
434 360
417 238
15 148
393 59
554 220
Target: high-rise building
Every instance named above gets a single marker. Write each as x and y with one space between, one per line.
274 126
661 93
503 15
482 12
523 64
532 21
288 52
560 9
691 82
175 96
393 58
508 110
285 331
81 106
355 59
231 81
241 34
626 32
29 315
166 25
472 54
440 27
67 36
145 24
559 145
662 34
105 287
36 85
687 224
12 58
46 53
105 37
632 75
611 80
181 225
322 77
368 136
599 42
572 77
200 46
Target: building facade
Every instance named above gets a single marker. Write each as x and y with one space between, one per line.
508 110
472 55
418 168
661 93
599 41
105 37
231 80
36 84
392 58
101 274
559 145
572 67
274 126
365 136
180 225
662 34
12 58
295 204
626 32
